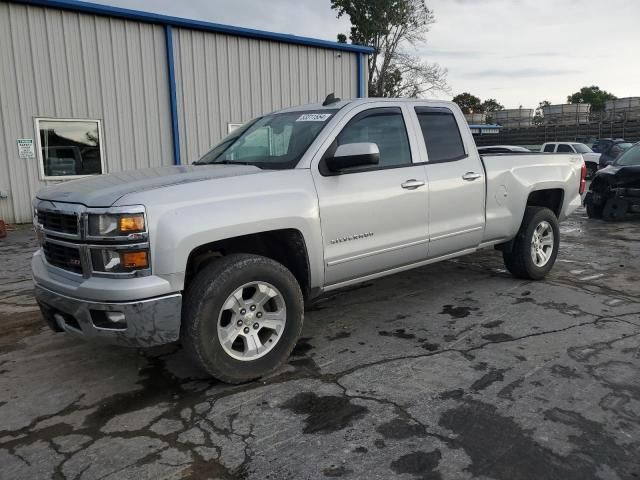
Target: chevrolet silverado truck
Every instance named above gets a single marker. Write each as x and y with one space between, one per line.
221 255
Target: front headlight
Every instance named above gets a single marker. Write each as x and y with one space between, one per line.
119 261
116 225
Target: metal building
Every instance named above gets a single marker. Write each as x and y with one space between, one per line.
89 89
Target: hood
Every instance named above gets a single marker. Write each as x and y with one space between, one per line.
617 176
105 190
591 157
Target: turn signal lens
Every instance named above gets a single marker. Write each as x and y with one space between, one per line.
134 259
583 178
131 223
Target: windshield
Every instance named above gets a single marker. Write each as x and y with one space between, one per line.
275 141
582 148
630 157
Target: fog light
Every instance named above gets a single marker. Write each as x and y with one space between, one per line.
60 319
108 320
116 317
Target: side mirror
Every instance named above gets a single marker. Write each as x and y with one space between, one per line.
353 155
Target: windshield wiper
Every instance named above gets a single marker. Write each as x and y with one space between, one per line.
231 162
223 162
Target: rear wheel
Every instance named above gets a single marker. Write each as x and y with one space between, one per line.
536 245
242 317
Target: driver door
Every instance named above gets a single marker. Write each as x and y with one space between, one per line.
373 218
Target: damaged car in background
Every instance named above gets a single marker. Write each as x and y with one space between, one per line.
615 191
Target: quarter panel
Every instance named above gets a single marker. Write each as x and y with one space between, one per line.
510 180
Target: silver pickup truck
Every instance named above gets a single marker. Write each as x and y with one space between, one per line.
222 254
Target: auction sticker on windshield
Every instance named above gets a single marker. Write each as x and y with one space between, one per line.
313 117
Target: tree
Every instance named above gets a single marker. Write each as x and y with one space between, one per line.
592 95
390 26
489 107
538 117
468 103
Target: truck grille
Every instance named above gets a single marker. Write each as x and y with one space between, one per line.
61 256
58 222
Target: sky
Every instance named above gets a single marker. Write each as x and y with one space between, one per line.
519 52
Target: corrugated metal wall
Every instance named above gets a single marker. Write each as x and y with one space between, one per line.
223 79
62 64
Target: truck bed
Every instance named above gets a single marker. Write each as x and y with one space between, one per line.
512 178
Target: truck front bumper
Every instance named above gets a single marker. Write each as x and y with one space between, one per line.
143 323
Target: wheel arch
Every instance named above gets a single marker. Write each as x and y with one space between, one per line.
551 198
285 246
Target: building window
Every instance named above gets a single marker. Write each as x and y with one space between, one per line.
69 148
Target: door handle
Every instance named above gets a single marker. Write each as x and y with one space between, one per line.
471 176
412 184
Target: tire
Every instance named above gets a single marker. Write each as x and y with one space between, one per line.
519 261
593 211
205 315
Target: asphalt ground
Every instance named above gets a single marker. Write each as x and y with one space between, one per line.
452 371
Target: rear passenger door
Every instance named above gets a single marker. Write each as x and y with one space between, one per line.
456 181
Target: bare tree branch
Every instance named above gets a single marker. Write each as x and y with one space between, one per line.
391 27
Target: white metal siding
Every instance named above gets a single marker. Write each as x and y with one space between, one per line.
223 79
62 64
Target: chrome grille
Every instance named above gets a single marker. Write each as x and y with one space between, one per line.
62 256
58 222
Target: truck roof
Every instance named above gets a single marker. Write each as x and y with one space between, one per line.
342 103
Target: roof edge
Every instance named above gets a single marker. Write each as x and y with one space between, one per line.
148 17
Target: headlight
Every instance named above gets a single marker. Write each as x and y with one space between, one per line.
115 225
119 261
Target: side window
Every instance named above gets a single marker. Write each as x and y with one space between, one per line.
441 134
550 148
564 148
385 127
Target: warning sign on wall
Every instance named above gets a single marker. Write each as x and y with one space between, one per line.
26 148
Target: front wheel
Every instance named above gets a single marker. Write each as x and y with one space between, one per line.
536 245
242 316
593 210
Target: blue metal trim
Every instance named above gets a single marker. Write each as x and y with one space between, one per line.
175 131
359 90
138 15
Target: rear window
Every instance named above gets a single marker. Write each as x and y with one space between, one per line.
441 134
549 148
582 148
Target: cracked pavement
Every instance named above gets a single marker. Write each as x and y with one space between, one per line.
452 371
